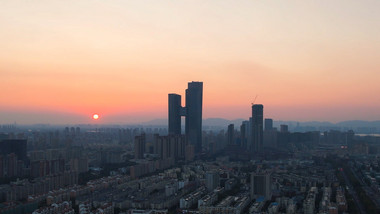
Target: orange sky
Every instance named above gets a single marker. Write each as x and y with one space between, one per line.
305 60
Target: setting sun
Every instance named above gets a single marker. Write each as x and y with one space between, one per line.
95 116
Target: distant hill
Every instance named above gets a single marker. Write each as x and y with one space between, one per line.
221 122
359 123
206 122
156 122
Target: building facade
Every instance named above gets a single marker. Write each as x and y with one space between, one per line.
193 126
257 127
174 113
261 185
192 112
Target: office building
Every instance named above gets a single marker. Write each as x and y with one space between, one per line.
230 134
261 185
257 127
192 112
193 124
174 113
268 124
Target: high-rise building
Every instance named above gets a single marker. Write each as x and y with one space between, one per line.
12 165
139 146
284 128
170 146
243 134
174 113
257 127
261 185
249 134
212 180
15 146
230 134
268 124
189 152
193 124
1 166
192 111
270 138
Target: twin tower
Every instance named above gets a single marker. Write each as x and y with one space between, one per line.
192 113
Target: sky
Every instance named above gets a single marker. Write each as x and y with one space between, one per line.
62 61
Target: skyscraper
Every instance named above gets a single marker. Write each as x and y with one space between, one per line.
243 134
193 124
192 111
250 135
139 146
231 134
257 127
174 113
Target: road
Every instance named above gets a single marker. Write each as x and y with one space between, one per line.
352 192
375 197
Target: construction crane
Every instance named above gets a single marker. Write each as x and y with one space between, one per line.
254 100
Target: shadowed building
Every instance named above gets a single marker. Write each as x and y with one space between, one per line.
139 146
170 146
174 114
193 126
212 180
249 134
268 124
257 127
284 128
270 138
230 134
261 185
15 146
243 134
192 112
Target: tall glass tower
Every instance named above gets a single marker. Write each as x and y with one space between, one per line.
257 127
174 113
193 125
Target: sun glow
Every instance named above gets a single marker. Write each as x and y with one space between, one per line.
95 116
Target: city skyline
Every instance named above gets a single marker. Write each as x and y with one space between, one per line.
61 63
201 106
